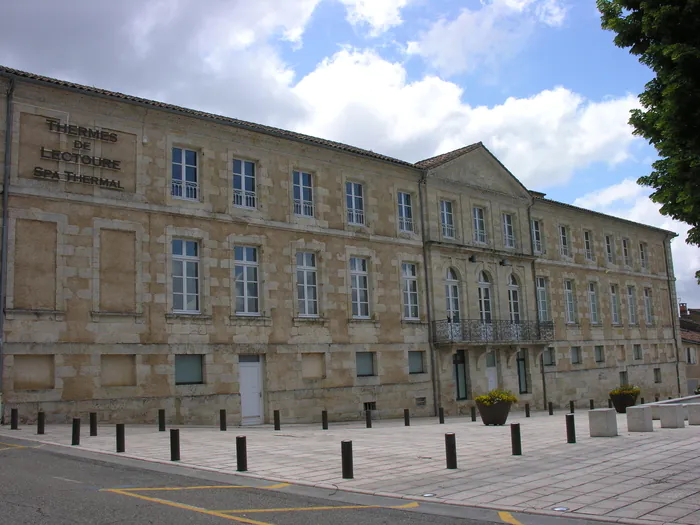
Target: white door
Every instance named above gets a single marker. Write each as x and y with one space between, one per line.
250 381
491 371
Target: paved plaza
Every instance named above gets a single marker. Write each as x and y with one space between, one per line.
633 478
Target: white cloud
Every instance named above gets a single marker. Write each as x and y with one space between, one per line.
380 15
630 201
484 36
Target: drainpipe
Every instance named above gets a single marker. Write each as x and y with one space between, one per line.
674 311
3 239
435 376
537 305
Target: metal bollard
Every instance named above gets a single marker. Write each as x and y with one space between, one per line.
570 429
473 410
174 444
121 440
75 439
222 419
406 417
515 439
591 404
551 409
451 450
241 454
14 419
368 418
571 407
324 420
161 420
276 417
346 458
93 424
609 403
441 415
40 423
527 409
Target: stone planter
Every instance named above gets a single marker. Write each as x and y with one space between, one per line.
494 414
622 401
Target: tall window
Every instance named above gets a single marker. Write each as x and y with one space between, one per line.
479 226
184 174
570 301
610 248
599 354
460 369
643 255
537 240
521 362
614 304
632 304
484 298
588 244
303 194
446 220
637 352
513 299
543 299
549 357
247 284
452 296
185 275
564 241
359 287
355 203
508 231
307 288
691 355
626 252
409 278
405 212
593 302
576 357
243 183
648 306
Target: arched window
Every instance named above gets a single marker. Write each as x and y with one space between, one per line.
484 297
513 299
452 295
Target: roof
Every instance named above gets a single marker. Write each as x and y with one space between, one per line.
438 160
689 336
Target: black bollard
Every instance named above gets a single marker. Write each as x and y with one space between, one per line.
324 419
222 419
14 419
642 401
346 458
591 404
241 454
75 440
40 423
174 444
161 420
473 413
570 429
368 418
609 403
121 440
571 407
93 424
406 417
515 439
451 450
276 417
551 409
441 415
527 409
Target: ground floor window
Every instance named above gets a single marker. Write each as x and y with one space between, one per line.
522 371
189 369
460 368
623 378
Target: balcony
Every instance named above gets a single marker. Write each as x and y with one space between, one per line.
476 331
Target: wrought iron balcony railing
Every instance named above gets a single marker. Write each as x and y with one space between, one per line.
477 331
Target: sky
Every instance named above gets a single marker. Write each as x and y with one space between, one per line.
537 81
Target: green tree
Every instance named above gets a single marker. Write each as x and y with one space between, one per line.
665 36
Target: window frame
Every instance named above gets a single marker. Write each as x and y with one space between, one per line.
182 357
637 352
570 302
616 318
372 356
509 240
479 225
405 219
355 203
576 355
543 297
564 244
657 376
303 207
588 245
356 287
537 236
610 249
185 261
421 355
447 224
632 305
245 264
599 351
409 291
184 184
248 200
550 351
643 256
307 270
648 306
626 257
593 303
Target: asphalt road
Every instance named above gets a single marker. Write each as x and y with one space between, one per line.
43 484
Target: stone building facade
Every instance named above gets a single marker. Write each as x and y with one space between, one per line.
159 257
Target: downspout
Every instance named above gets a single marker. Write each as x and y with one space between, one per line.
3 239
537 299
435 376
674 313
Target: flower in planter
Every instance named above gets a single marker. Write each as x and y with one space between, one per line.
496 396
625 390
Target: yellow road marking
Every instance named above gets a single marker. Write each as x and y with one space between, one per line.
507 517
187 507
202 487
278 486
10 445
412 505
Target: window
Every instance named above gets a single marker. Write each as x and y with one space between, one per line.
303 194
657 375
576 358
460 368
537 240
588 244
593 302
643 255
185 276
513 299
484 298
416 362
637 352
405 213
479 226
624 381
521 361
409 277
452 296
564 241
247 284
543 299
184 174
610 248
600 354
243 183
632 304
570 301
189 369
365 364
691 356
446 220
648 306
359 287
549 357
508 231
307 292
626 252
614 304
355 203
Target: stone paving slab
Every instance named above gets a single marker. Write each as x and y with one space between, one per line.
643 478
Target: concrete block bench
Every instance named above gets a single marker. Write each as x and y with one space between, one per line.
602 422
671 416
639 419
694 414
